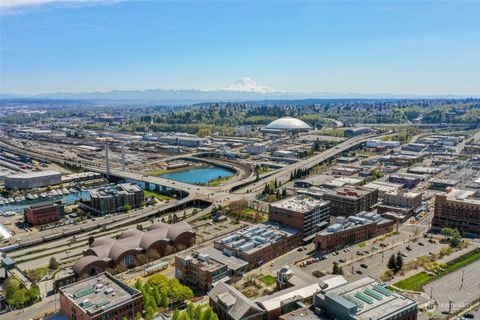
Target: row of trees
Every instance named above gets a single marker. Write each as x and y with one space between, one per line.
299 174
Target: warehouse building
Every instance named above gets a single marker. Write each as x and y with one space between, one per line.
31 180
44 213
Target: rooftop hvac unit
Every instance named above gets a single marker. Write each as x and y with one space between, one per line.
109 291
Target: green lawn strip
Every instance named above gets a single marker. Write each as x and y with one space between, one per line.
362 244
417 281
268 279
151 194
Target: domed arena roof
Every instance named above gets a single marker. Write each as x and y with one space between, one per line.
288 123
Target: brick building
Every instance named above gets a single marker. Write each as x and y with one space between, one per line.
406 203
260 243
44 213
100 297
306 214
354 229
458 208
350 200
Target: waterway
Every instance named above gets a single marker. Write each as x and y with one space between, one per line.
67 199
199 175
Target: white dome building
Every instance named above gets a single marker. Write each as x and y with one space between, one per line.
287 124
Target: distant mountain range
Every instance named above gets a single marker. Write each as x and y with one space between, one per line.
245 89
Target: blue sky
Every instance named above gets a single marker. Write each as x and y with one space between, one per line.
394 47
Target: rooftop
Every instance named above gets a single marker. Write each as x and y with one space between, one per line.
99 293
299 204
288 123
33 174
372 299
257 237
462 195
355 221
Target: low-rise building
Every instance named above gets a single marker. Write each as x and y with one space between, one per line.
377 143
365 299
256 148
406 203
44 213
383 187
203 268
442 184
100 297
306 214
260 243
29 180
346 231
458 208
406 180
354 132
414 147
344 171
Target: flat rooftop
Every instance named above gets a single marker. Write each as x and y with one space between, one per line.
374 300
465 196
232 263
257 237
99 293
299 204
34 174
352 222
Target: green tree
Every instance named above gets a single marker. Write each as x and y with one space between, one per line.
90 240
53 264
398 262
138 316
392 265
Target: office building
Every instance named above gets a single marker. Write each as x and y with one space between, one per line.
306 214
44 213
256 148
203 268
406 203
458 208
100 297
35 179
350 200
346 231
260 243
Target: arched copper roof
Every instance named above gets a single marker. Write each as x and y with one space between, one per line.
132 241
102 241
87 263
131 233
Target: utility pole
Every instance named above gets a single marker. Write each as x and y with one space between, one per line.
123 156
107 163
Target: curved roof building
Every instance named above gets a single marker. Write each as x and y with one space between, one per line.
288 124
160 237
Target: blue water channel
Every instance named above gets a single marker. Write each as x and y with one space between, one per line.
199 175
67 199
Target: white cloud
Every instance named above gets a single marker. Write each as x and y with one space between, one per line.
21 6
247 84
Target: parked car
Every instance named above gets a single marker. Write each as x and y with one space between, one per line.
421 244
359 272
403 254
342 260
363 265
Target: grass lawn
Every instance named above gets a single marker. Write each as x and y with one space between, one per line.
338 132
218 181
362 245
159 196
417 281
268 279
157 172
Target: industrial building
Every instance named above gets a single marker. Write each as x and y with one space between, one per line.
306 214
458 208
29 180
260 243
44 213
100 297
354 132
346 231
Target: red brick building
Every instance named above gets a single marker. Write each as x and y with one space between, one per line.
43 214
458 209
100 297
